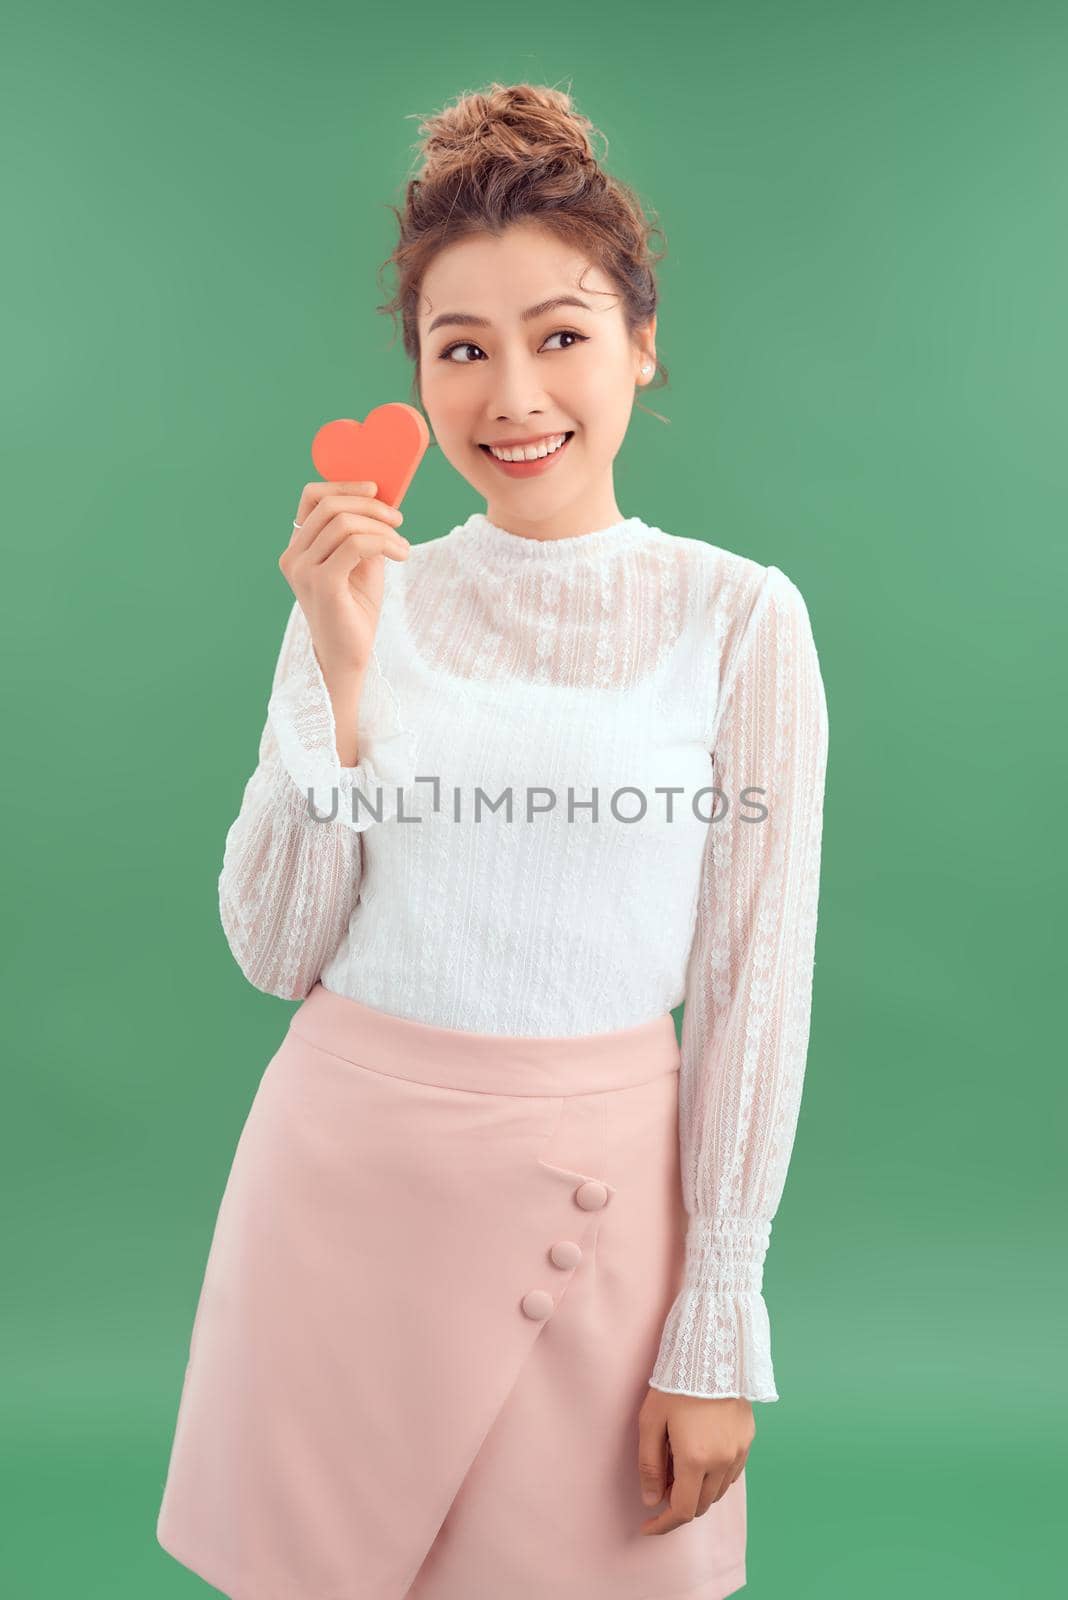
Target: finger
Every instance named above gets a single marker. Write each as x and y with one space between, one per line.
334 505
707 1495
652 1460
344 526
312 493
359 547
685 1492
346 523
714 1488
338 497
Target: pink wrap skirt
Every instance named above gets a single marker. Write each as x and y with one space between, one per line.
430 1310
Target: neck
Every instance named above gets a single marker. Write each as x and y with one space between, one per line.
585 515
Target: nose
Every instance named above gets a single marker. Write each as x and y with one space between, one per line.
517 396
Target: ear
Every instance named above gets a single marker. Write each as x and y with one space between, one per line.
648 342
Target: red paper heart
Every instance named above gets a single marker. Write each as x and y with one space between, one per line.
385 448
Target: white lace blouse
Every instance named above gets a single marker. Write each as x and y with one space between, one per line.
590 786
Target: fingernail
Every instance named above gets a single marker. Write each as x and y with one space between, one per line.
649 1497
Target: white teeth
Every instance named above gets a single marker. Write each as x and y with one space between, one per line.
530 452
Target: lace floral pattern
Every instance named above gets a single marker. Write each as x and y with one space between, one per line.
748 1001
623 656
290 879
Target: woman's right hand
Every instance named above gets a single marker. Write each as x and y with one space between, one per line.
335 565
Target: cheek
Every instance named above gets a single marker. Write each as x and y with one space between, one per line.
609 409
453 400
597 401
449 413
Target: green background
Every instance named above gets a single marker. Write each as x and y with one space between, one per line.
863 313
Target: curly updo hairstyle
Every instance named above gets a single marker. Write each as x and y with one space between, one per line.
512 153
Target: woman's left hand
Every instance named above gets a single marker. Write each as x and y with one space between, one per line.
709 1442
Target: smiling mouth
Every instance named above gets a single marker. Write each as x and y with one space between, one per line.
569 433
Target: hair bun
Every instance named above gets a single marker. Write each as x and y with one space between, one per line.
512 125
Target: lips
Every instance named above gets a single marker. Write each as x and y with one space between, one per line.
536 468
567 432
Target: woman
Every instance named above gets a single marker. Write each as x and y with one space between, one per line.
482 1314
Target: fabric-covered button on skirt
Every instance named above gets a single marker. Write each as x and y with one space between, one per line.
431 1307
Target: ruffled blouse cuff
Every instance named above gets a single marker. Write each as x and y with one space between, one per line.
301 715
716 1342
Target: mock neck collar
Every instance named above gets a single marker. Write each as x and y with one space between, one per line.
500 545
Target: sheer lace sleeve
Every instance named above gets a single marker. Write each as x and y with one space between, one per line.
748 997
290 879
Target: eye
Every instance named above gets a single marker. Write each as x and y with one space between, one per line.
465 344
568 333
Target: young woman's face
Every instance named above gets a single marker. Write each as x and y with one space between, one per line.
487 375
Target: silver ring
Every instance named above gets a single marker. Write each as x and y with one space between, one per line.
298 524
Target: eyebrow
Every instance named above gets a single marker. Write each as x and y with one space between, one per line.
467 319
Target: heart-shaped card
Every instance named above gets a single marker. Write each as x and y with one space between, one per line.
385 448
